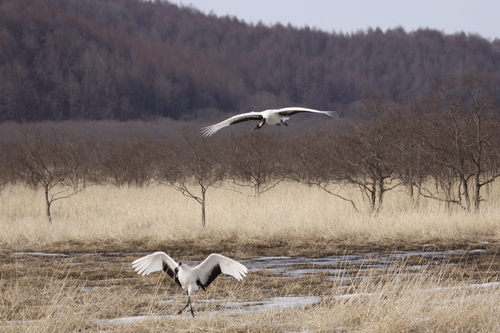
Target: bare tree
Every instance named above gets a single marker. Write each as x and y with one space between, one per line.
365 152
463 127
129 162
191 168
254 161
315 162
44 161
6 166
411 162
484 121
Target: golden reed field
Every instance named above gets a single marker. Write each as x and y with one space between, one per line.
74 275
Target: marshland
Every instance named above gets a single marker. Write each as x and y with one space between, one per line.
384 220
321 256
319 266
383 223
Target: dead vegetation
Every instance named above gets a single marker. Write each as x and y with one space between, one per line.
88 284
100 292
133 219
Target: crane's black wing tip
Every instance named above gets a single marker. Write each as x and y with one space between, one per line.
212 275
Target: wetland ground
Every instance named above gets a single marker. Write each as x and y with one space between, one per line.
314 268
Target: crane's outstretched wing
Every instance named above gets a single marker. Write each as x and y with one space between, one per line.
156 262
209 130
214 265
293 110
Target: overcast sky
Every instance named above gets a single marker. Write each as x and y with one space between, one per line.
450 16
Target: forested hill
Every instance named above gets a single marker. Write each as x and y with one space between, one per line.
128 59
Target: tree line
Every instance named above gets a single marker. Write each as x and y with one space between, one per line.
446 148
131 59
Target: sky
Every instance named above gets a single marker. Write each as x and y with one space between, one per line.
449 16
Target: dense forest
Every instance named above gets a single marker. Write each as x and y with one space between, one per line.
131 59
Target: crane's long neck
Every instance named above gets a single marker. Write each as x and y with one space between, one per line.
259 125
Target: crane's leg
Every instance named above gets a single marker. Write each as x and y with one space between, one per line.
191 307
188 304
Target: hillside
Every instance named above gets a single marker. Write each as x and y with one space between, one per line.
128 59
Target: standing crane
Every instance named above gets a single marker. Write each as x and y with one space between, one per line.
190 279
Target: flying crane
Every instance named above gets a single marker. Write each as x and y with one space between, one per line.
271 117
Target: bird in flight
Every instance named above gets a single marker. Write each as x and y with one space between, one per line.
271 117
190 279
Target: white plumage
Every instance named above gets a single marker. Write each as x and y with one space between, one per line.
190 279
271 117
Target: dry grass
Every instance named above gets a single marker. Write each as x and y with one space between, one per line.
292 212
90 294
84 293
